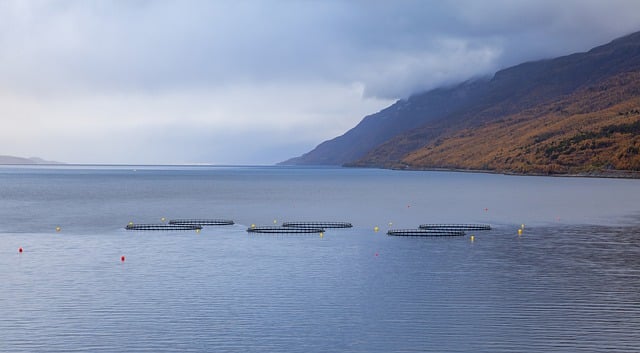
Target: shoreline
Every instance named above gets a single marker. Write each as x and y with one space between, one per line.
613 174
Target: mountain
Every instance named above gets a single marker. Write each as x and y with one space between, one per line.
20 160
536 117
402 116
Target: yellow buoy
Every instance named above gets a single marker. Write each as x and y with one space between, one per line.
519 231
472 238
253 226
58 229
522 226
375 229
275 221
163 219
321 234
130 223
197 230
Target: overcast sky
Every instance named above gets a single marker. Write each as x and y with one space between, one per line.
253 82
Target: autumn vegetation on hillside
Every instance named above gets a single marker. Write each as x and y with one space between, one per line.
576 114
595 129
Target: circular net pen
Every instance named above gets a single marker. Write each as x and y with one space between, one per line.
425 232
162 227
283 230
202 222
317 225
457 227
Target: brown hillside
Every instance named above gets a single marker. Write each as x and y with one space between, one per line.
593 130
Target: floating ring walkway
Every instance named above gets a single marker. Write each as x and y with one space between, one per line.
290 230
202 222
317 225
425 232
162 227
461 227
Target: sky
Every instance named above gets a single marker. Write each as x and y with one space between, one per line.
253 82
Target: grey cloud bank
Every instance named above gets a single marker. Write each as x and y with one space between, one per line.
253 81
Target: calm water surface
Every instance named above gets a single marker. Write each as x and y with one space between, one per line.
570 283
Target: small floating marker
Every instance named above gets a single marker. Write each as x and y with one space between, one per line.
163 219
472 237
130 223
321 234
377 254
376 228
20 250
486 209
122 258
253 226
197 230
519 231
390 224
522 226
58 229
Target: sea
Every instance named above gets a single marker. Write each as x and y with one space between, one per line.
558 272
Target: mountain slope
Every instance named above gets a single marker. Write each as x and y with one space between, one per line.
594 130
402 116
409 132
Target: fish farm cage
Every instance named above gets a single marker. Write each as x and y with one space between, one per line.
202 222
457 227
317 225
283 230
425 232
162 227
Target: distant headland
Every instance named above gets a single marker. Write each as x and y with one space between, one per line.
12 160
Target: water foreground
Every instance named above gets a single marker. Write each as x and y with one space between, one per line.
569 283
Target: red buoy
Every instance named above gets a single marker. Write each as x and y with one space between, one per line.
20 250
122 258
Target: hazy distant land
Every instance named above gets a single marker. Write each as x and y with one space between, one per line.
21 160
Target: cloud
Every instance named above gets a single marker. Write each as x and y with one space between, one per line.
114 76
253 124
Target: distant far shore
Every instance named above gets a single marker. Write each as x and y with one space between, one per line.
12 160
